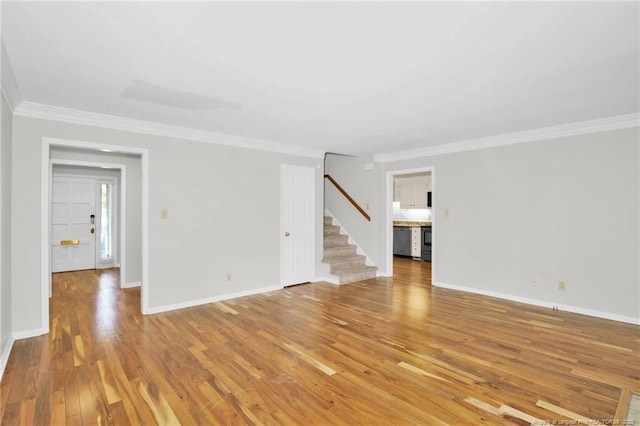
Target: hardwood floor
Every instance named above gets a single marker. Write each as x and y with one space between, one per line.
383 351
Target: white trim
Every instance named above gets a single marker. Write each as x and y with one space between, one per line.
192 303
327 278
564 130
350 240
84 118
121 149
6 352
45 268
545 304
19 335
8 83
131 284
45 246
144 289
388 222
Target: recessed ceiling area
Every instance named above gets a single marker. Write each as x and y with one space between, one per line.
355 78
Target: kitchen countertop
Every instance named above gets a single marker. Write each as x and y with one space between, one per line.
411 223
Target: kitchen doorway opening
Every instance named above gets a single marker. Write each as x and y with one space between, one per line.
417 218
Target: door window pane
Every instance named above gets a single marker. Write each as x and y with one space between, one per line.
106 197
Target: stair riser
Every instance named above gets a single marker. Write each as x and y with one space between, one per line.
331 230
332 257
346 279
348 261
335 241
348 267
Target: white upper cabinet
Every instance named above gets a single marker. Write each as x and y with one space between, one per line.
412 191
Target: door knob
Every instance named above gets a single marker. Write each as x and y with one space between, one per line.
286 234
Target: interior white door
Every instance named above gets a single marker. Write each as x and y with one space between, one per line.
297 195
73 218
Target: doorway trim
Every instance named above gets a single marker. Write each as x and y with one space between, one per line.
122 223
388 254
45 191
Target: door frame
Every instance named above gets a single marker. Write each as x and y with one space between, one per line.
388 254
45 191
121 224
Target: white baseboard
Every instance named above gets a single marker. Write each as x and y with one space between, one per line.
6 351
327 278
383 274
543 303
192 303
18 335
132 284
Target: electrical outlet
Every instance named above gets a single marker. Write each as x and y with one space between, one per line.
447 212
534 281
562 285
228 276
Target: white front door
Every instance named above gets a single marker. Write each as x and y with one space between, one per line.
73 219
297 194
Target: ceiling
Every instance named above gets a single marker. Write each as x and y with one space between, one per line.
353 77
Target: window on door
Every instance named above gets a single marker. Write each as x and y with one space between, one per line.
107 208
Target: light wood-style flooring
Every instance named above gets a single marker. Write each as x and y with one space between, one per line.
387 351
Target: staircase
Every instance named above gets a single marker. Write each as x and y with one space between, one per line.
345 263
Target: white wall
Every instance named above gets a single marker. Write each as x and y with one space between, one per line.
224 215
360 184
133 243
5 232
563 209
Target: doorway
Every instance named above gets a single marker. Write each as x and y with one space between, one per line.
297 218
85 217
389 203
140 155
73 223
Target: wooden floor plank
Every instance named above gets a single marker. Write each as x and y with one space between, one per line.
382 351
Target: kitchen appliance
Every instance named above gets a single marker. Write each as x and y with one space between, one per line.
426 243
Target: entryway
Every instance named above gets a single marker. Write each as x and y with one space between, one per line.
84 218
128 244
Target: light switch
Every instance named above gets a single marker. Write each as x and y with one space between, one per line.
447 212
164 214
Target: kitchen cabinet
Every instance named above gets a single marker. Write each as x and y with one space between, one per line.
416 241
402 240
412 191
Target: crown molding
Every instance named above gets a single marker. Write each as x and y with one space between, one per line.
564 130
8 83
84 118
